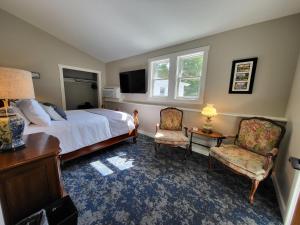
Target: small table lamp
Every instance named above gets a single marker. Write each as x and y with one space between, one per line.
14 84
209 111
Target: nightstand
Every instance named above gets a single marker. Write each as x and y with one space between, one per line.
30 178
214 135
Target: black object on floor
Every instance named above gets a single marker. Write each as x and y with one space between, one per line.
62 212
35 219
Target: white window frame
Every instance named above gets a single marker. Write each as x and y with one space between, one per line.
151 78
173 77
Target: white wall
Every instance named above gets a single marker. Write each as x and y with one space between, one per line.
149 117
284 173
27 47
1 216
276 45
275 42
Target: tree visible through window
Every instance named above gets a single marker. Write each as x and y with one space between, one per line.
160 80
179 76
189 69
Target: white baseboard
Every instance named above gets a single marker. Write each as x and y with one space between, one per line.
281 202
149 134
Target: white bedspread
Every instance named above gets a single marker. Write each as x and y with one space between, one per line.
119 122
81 129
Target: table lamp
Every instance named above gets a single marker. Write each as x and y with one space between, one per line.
14 84
208 111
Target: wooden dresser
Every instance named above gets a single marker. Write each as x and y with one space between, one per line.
30 178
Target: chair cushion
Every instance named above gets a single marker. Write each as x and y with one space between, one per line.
171 119
259 136
171 137
241 160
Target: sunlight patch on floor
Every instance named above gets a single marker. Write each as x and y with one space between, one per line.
121 162
101 168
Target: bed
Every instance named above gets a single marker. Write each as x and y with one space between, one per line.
86 131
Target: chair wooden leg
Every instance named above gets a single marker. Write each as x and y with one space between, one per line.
190 149
134 140
186 151
155 147
255 184
210 162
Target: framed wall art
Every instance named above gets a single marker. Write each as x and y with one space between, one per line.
242 76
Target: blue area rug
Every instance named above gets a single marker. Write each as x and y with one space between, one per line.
127 184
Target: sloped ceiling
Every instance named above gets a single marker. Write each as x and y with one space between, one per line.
115 29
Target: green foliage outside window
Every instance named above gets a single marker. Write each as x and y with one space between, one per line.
191 66
190 69
161 70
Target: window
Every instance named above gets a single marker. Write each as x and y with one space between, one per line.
179 76
160 77
189 69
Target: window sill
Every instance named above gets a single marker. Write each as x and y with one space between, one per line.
166 100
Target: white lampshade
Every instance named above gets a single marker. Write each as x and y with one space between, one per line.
15 84
209 110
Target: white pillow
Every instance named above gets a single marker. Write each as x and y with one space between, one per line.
34 112
52 113
18 111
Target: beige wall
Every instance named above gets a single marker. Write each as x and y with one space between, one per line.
27 47
284 172
276 43
149 117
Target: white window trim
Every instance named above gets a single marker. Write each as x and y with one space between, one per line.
172 89
150 78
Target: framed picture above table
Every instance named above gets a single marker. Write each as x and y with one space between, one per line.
242 76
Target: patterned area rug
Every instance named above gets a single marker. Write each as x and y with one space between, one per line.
127 184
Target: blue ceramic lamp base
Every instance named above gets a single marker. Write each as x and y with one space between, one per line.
11 133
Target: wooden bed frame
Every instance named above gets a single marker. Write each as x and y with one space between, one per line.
103 144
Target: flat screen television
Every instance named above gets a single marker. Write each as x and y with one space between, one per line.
133 81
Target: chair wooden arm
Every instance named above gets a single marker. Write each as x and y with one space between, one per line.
269 157
185 131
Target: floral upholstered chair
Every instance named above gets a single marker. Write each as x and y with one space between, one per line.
169 130
253 152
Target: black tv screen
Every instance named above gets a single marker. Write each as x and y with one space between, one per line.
133 81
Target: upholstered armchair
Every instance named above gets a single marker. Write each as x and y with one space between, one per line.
169 130
253 152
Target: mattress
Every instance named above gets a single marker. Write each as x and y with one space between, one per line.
85 128
119 122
